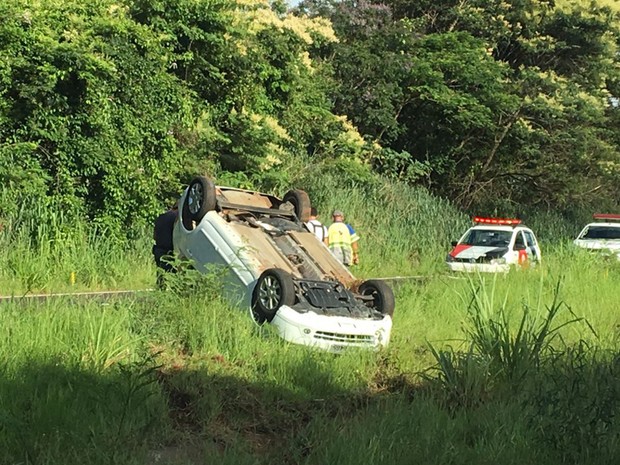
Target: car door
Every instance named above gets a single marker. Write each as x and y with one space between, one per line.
532 246
521 249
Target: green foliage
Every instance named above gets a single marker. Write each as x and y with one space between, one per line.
177 376
502 355
109 108
400 166
501 102
565 390
181 374
22 178
513 354
89 96
574 403
45 247
55 394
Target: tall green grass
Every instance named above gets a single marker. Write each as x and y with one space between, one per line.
43 250
185 376
75 384
511 368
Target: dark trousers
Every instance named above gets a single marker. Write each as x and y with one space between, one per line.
161 257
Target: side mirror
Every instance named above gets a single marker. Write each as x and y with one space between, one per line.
454 243
520 247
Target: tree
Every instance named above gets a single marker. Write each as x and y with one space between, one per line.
88 108
108 107
502 100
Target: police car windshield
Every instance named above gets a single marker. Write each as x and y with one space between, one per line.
487 238
601 232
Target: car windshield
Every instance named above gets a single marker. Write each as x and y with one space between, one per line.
487 238
601 232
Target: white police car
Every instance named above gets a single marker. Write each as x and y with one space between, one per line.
603 235
494 245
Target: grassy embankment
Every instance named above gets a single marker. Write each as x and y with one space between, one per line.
184 378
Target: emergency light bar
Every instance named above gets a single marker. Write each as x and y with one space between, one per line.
606 216
500 221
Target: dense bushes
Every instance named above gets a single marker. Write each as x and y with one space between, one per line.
108 107
89 110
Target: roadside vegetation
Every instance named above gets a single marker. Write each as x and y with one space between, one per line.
109 107
513 369
517 368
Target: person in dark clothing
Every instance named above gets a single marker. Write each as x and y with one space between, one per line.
163 248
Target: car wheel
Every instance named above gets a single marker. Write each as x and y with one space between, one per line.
382 295
301 202
199 200
274 289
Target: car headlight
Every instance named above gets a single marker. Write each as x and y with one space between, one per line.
498 261
449 258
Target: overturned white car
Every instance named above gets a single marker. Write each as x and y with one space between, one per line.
280 270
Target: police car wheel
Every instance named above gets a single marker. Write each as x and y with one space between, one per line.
273 289
382 295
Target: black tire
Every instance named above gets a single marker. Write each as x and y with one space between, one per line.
273 289
301 202
200 200
383 297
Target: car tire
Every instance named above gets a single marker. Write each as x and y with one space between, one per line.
383 297
301 202
199 200
274 288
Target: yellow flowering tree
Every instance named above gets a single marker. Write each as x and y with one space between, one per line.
505 103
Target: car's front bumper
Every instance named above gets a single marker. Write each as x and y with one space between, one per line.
479 267
600 248
332 333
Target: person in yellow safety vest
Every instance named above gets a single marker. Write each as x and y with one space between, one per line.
343 240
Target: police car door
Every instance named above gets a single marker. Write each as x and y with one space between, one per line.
532 246
521 249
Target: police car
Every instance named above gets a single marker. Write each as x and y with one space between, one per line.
494 245
603 235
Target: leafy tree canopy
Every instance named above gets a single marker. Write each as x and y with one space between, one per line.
510 100
109 107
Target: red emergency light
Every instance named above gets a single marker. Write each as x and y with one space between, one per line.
606 216
497 221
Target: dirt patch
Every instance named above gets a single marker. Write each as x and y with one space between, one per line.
209 407
185 454
224 411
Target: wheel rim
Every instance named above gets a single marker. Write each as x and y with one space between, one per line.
270 293
195 198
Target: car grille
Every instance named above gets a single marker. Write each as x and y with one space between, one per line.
473 260
356 339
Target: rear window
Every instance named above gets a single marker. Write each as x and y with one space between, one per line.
531 240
